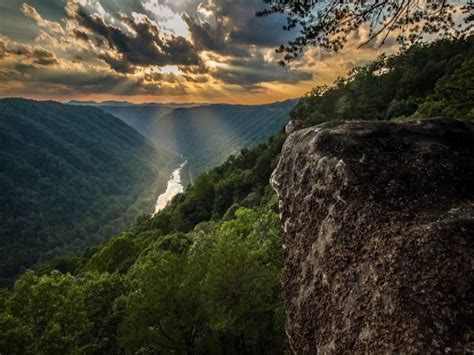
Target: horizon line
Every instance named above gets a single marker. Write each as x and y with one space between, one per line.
144 103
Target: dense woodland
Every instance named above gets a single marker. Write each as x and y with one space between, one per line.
203 276
69 177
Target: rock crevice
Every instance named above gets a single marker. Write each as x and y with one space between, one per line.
379 226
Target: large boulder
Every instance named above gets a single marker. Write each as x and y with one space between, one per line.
379 227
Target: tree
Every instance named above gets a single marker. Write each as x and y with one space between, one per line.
116 255
165 311
46 315
328 23
243 283
104 299
452 96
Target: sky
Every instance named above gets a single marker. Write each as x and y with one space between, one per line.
159 51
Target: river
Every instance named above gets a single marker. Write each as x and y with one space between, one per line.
174 187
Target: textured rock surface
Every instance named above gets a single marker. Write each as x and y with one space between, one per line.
379 228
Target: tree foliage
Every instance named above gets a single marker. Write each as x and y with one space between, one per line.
238 180
425 80
188 283
328 23
213 290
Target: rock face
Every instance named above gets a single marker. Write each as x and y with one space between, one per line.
379 228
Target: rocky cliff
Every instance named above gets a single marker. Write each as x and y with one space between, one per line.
379 227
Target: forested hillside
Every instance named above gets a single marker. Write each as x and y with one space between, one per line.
205 135
427 80
203 276
70 176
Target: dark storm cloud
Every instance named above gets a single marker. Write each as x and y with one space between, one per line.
262 32
232 25
3 48
252 71
74 82
35 55
19 50
181 52
205 36
193 69
214 38
23 68
196 79
118 65
44 57
81 35
145 47
226 28
118 47
161 77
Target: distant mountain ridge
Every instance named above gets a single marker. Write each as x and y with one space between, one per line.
66 173
127 103
151 103
207 134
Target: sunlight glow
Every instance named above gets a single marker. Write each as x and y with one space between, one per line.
167 19
170 69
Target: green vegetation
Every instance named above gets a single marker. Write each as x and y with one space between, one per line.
424 81
213 290
203 276
69 177
167 285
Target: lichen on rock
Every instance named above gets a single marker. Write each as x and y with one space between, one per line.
379 226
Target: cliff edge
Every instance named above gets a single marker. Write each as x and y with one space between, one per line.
379 227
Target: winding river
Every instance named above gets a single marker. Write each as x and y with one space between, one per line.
174 187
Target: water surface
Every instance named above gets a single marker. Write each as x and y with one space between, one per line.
174 187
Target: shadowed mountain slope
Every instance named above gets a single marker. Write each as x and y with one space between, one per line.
65 174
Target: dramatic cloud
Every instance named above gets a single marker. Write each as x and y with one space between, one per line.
44 57
205 36
142 46
42 23
163 50
20 53
254 70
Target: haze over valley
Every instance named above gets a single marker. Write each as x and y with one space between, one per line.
205 135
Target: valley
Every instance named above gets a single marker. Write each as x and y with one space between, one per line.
74 175
205 135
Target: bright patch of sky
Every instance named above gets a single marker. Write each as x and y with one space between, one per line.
166 18
170 69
